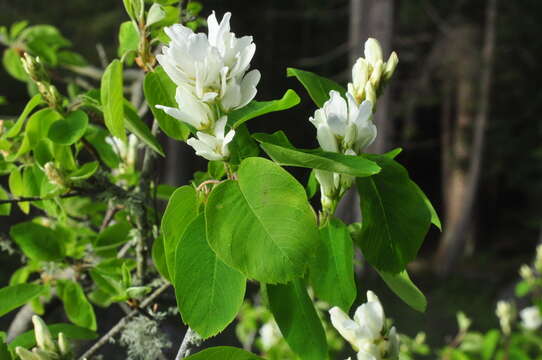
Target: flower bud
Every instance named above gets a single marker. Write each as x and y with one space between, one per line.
370 94
44 339
54 175
373 51
63 344
376 74
391 65
44 355
137 292
25 354
34 68
526 272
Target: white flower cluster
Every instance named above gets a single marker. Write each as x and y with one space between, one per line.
506 312
366 332
531 318
46 348
345 125
212 78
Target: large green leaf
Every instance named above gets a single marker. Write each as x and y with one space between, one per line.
282 152
181 209
209 293
403 287
223 353
28 339
37 241
395 217
136 126
259 108
76 305
67 131
17 295
297 319
160 90
111 93
317 86
332 271
31 105
262 224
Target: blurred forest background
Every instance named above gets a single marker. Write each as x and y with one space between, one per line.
464 105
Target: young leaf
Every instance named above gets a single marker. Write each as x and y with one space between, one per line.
181 209
113 100
85 171
18 295
332 270
128 38
209 293
317 86
490 343
16 187
73 332
275 147
76 305
403 287
395 217
38 126
5 209
223 353
160 90
159 257
13 65
69 130
135 125
297 319
37 241
262 224
31 105
112 237
259 108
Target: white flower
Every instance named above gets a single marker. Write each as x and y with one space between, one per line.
531 318
214 67
269 335
369 74
343 125
213 147
506 313
366 331
191 110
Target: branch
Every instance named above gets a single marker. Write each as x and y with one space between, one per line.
190 338
37 198
122 323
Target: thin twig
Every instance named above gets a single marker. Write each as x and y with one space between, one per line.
122 323
103 56
190 338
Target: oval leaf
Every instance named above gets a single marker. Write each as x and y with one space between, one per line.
181 210
18 295
297 320
403 287
77 307
262 224
67 131
211 295
223 353
37 241
332 271
113 100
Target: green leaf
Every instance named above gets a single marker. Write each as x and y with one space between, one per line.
212 294
37 241
128 38
43 152
243 145
112 99
85 171
160 90
69 130
76 305
277 150
4 351
317 86
435 220
332 270
490 343
312 185
159 257
262 224
13 65
223 353
18 295
259 108
297 319
396 217
16 187
97 137
5 209
403 287
67 57
28 339
135 125
38 126
111 238
181 209
31 105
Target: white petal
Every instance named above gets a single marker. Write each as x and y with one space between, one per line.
370 316
220 126
373 51
336 112
229 137
232 96
344 325
248 87
326 138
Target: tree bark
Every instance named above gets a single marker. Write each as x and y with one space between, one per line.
454 240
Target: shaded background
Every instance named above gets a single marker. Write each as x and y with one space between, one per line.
431 110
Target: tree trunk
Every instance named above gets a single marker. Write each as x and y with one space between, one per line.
454 239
